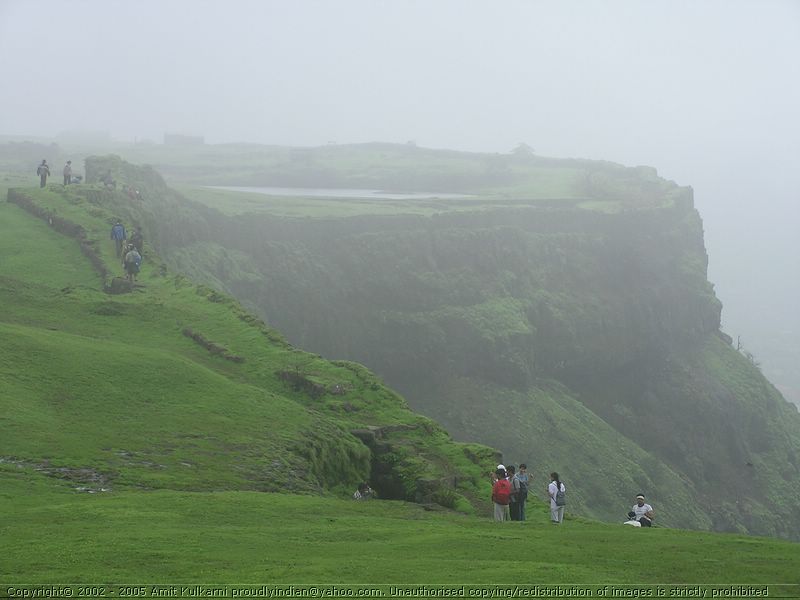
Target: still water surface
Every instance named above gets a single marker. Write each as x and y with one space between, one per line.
338 193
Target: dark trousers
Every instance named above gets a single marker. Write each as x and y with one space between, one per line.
42 180
514 509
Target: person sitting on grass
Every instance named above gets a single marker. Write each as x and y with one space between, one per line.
642 512
364 492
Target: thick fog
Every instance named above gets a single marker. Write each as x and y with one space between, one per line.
708 92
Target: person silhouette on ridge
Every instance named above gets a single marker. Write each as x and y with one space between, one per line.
43 171
68 173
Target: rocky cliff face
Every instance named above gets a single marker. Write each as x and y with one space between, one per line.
577 340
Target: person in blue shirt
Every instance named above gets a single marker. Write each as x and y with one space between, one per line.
118 235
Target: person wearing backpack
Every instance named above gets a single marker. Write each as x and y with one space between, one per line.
522 482
501 496
558 498
133 262
513 507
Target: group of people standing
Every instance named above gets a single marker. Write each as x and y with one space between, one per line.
130 251
510 493
43 171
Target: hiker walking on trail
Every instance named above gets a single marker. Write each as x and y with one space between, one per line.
133 261
136 240
119 236
126 247
43 171
68 173
557 493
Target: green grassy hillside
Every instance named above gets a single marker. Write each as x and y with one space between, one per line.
575 317
175 386
131 452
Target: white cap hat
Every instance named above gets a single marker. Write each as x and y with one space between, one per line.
501 467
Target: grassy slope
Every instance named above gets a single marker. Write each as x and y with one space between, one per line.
136 412
57 413
158 410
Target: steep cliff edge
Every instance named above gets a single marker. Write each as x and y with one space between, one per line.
579 336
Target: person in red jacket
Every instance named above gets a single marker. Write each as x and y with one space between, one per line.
501 496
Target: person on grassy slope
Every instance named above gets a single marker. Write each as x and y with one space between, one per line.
43 171
119 236
513 506
68 173
136 240
642 512
133 260
126 247
501 496
557 493
494 473
364 492
522 487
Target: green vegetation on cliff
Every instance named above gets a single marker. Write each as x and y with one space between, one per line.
525 322
175 386
176 409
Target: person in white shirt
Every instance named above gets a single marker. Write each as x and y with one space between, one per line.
642 512
556 499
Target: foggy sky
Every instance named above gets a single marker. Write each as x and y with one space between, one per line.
706 91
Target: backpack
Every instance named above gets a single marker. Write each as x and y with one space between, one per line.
561 497
519 489
502 491
523 490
